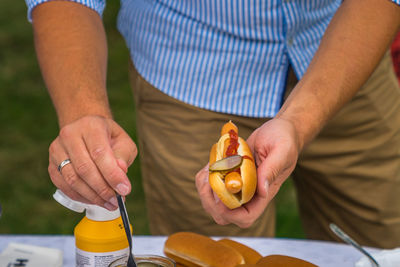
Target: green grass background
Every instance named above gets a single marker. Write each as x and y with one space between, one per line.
28 124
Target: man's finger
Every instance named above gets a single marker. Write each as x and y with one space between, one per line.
86 169
59 182
98 144
124 148
210 202
66 178
203 188
70 180
270 167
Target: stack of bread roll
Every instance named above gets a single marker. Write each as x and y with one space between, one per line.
189 249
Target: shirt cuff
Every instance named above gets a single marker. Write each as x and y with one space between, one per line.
396 2
96 5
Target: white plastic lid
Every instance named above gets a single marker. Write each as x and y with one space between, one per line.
93 212
97 213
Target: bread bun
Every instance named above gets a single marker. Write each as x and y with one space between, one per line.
194 250
189 249
283 261
250 255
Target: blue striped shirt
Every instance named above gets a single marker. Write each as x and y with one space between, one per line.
228 56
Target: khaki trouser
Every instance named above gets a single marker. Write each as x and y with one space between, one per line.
350 174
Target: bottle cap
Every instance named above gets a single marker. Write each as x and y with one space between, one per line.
93 212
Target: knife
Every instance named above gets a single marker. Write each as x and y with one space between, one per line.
125 221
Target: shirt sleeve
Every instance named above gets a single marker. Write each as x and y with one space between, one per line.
396 2
96 5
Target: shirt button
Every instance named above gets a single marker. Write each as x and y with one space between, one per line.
290 42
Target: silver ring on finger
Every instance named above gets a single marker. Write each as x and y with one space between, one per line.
62 164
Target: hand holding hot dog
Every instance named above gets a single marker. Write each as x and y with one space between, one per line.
275 147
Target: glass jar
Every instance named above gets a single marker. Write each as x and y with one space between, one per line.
145 261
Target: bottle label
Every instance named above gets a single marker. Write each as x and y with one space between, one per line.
102 259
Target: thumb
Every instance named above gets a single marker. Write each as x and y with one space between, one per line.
122 164
125 150
251 141
262 179
268 170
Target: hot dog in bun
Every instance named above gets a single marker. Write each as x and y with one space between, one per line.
233 175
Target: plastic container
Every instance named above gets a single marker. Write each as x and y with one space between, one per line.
100 237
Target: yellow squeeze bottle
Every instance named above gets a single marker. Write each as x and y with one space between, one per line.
99 237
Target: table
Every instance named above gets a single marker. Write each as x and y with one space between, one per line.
321 253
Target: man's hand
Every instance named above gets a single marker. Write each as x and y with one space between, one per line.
71 47
100 152
275 146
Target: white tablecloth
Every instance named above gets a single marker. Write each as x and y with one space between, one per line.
320 253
